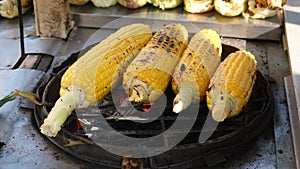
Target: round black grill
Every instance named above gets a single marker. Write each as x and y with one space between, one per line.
229 136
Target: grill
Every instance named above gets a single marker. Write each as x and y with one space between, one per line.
79 138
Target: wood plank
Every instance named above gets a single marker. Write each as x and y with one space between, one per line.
40 62
31 61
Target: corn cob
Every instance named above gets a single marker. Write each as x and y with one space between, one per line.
195 69
165 4
78 2
149 74
231 85
104 3
198 6
9 8
93 75
133 4
257 11
230 7
271 4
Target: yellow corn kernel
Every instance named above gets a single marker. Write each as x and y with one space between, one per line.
149 74
231 85
195 69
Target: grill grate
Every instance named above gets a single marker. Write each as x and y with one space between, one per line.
229 137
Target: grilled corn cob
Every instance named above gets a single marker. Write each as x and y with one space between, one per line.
132 3
93 75
257 11
195 69
9 8
104 3
230 7
149 74
271 4
78 2
198 6
231 85
165 4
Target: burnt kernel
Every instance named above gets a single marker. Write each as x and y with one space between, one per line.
167 38
143 60
161 38
221 98
175 102
172 44
182 67
209 89
253 77
168 50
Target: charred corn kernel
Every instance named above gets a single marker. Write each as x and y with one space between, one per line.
94 74
195 69
231 85
149 74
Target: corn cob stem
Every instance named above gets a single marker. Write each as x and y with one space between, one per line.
139 92
25 94
222 108
71 99
183 99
